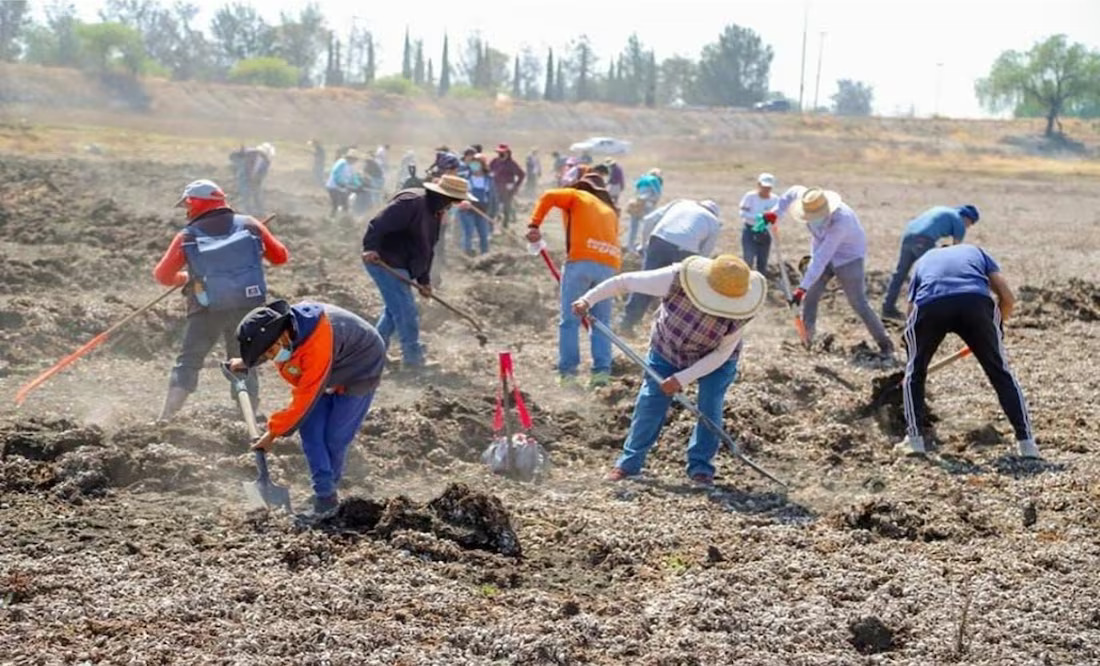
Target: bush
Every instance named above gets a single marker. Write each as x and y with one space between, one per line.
395 85
273 72
111 47
464 91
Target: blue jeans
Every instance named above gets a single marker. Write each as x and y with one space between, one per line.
651 408
472 224
658 254
755 247
912 248
399 314
577 277
327 432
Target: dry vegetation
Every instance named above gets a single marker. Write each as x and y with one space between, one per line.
123 541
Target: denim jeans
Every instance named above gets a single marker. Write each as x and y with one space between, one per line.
651 409
327 432
399 314
852 283
755 247
577 277
658 254
912 248
474 224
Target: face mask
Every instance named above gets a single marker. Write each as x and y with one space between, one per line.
283 355
475 167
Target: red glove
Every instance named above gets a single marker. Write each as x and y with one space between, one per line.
770 217
796 297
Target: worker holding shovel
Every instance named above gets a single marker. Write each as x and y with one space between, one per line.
592 256
950 293
223 254
696 336
333 360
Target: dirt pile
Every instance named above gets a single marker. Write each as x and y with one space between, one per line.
1053 305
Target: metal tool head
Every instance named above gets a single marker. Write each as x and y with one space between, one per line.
263 493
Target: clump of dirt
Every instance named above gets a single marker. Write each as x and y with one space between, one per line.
46 439
502 263
1043 307
472 520
871 636
891 521
515 303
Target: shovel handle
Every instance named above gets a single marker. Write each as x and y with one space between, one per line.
962 353
261 466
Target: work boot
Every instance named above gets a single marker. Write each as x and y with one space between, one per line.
173 402
1027 448
892 313
910 446
598 379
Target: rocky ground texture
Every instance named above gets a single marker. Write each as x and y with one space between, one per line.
127 541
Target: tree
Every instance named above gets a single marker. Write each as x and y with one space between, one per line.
109 47
299 40
530 67
269 71
55 43
359 56
14 21
651 81
1052 76
516 88
559 84
168 34
584 61
445 70
852 98
418 65
430 81
734 70
632 72
406 59
676 80
548 94
240 33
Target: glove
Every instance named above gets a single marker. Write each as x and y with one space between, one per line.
796 297
761 225
770 217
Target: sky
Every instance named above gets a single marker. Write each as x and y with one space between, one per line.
922 55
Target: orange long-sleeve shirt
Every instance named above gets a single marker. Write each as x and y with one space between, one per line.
170 271
591 226
306 371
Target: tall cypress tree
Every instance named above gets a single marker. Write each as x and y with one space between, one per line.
418 67
368 75
559 84
445 70
548 93
515 80
406 59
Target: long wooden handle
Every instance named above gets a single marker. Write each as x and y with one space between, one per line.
962 353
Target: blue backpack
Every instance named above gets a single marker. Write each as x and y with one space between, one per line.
228 269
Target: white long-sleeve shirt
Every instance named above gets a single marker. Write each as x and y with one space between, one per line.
685 224
657 283
752 204
838 239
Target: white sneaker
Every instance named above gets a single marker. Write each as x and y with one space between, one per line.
1026 448
910 446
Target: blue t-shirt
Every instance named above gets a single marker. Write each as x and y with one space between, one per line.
936 223
951 271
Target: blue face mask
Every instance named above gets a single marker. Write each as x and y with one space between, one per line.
283 355
475 167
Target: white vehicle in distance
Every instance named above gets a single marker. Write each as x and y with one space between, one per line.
601 145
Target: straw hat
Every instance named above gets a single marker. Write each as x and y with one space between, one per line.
452 187
353 154
815 204
724 286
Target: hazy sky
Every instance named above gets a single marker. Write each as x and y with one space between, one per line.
894 45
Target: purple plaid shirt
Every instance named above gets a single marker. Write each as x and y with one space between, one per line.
683 334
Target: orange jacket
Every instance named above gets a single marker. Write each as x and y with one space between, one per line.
591 226
307 371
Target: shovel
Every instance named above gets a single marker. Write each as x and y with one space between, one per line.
261 493
680 398
798 325
885 390
479 333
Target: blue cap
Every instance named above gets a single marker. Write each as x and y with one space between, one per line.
969 211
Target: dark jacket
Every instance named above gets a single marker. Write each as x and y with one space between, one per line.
404 234
506 171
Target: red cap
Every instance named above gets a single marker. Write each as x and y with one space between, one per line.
503 148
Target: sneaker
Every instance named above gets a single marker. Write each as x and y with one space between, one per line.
703 480
892 313
597 379
910 446
618 474
1027 448
568 381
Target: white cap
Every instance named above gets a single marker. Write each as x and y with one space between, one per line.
766 179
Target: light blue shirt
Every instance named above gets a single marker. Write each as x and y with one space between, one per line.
685 224
342 175
951 271
938 222
837 240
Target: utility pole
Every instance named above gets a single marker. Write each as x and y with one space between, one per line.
802 72
820 52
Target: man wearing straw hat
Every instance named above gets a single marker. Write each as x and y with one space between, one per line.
403 235
696 336
838 247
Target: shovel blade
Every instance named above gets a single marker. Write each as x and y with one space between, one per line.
266 495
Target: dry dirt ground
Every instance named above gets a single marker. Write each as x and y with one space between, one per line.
124 541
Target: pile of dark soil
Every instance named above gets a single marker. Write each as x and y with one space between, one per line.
1054 305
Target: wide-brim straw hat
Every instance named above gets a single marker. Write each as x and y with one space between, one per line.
724 286
814 205
453 187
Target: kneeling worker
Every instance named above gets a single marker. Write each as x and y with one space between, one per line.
333 359
950 293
